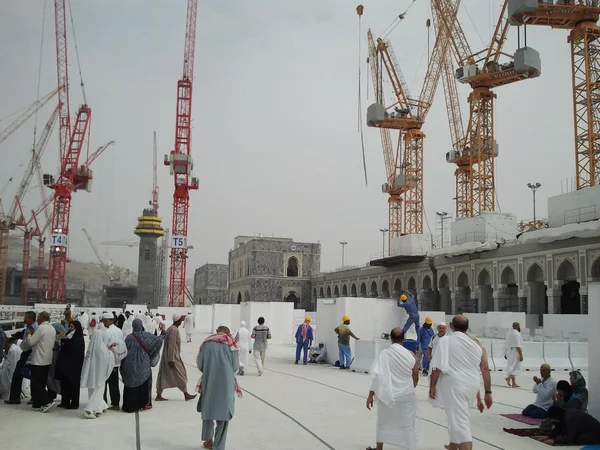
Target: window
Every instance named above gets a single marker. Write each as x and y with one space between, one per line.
292 267
147 254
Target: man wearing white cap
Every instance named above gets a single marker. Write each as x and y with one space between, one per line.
172 372
435 340
318 354
113 338
190 325
242 338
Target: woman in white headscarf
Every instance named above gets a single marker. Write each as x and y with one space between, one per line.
97 367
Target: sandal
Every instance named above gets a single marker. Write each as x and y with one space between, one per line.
207 444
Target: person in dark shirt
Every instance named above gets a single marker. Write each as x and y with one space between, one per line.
573 427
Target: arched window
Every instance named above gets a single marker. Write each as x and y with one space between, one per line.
292 268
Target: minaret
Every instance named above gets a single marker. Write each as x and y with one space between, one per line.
149 230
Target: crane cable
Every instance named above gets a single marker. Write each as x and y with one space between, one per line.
359 11
396 21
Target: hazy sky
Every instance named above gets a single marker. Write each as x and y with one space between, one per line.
275 139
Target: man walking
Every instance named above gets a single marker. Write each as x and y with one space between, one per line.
16 383
344 333
513 353
113 339
218 361
190 325
456 364
395 374
261 335
304 338
172 372
41 344
242 338
425 336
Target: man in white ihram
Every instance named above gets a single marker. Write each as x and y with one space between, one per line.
190 325
243 341
395 374
456 364
513 353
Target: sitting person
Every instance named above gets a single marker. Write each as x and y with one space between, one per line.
573 427
544 389
579 389
318 354
565 398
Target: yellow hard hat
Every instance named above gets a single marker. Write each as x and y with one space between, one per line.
428 320
403 297
345 318
307 319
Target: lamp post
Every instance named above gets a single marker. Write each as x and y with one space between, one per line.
534 187
383 231
443 216
343 247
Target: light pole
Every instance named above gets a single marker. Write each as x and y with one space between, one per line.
343 247
383 231
534 187
443 216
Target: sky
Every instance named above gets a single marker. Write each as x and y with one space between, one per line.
275 135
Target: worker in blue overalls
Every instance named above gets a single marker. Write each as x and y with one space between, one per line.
425 336
410 306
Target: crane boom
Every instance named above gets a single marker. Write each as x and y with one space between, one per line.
62 75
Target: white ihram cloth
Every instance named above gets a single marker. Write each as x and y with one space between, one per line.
511 343
190 324
112 336
243 339
459 359
7 368
128 326
84 319
97 367
394 389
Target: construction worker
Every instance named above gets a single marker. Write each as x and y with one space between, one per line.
410 306
425 336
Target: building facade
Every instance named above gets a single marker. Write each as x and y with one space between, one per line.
264 269
210 284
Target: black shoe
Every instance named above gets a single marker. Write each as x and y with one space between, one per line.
12 402
62 405
342 367
304 363
296 362
425 372
72 407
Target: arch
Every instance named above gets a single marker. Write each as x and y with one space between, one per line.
385 289
444 282
328 291
344 291
596 269
484 278
353 290
508 276
566 271
321 293
336 291
426 283
293 298
246 296
412 284
373 289
397 286
239 300
292 267
535 274
363 290
462 280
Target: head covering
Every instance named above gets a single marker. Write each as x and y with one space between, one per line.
428 320
108 316
345 318
70 359
403 297
99 362
321 343
141 348
242 324
579 389
441 324
177 317
307 319
223 324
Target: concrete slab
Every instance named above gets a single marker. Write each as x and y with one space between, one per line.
290 407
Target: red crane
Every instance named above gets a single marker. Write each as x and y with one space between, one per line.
155 189
180 163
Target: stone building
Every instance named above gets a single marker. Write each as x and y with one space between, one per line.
210 284
263 269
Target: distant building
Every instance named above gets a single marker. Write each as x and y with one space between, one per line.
263 269
210 284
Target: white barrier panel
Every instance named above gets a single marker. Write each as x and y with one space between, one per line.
366 352
228 314
498 355
557 355
533 356
279 317
203 316
563 324
579 353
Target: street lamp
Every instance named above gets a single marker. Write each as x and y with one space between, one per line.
534 187
383 231
443 216
343 247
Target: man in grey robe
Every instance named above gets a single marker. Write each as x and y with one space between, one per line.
218 362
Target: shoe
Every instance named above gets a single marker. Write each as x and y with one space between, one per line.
425 373
73 407
62 405
30 402
242 373
13 402
114 408
342 367
304 363
89 415
47 407
260 373
296 362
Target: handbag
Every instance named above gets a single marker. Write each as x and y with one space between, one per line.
153 360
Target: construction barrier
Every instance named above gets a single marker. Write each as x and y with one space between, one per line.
578 353
498 355
557 355
365 353
533 355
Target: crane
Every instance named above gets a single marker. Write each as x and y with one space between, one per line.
475 151
103 265
25 115
180 163
10 221
155 188
580 17
404 169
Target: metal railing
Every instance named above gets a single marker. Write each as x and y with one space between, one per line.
578 215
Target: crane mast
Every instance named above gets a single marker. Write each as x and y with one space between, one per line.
155 189
180 163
